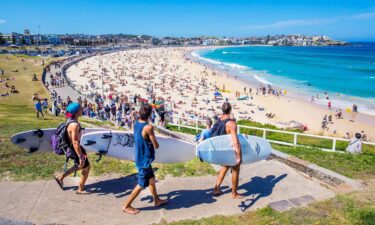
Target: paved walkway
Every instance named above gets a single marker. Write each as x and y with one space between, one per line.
65 91
262 183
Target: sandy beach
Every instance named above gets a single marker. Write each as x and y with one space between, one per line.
188 90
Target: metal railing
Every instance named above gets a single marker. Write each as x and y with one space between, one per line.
295 137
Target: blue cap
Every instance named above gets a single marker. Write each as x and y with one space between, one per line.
73 107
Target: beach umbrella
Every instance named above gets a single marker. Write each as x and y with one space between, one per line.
216 94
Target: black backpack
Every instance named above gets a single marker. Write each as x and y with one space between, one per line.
60 143
219 128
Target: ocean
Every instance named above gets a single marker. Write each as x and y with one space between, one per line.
345 73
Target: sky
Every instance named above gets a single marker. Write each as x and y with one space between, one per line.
349 20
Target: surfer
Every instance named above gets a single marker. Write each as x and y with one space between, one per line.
226 125
81 162
145 145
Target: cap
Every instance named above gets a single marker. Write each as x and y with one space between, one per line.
73 107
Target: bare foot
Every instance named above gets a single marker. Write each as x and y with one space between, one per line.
217 192
160 202
59 182
130 210
83 192
237 196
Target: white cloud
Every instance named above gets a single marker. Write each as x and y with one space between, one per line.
288 23
310 22
369 15
2 21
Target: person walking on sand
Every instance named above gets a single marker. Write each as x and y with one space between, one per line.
225 125
145 145
73 134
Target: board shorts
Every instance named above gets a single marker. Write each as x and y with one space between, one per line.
144 176
76 159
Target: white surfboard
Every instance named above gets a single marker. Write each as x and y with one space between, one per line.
120 145
219 150
39 140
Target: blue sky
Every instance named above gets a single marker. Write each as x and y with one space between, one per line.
346 20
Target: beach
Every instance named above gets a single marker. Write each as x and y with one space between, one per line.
187 86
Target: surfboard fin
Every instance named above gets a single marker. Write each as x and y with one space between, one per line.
39 133
20 140
106 136
89 142
31 150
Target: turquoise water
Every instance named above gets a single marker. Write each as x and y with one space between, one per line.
346 73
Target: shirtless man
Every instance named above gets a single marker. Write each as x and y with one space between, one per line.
226 125
81 162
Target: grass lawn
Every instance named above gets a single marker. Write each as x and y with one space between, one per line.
17 114
354 166
343 209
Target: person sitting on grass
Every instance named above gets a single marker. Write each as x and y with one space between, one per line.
35 78
81 162
14 90
355 145
145 145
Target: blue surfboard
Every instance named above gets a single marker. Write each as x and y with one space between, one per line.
219 150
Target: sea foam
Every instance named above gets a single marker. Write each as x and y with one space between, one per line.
262 80
196 55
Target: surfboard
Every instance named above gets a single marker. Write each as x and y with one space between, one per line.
120 145
243 98
219 150
39 139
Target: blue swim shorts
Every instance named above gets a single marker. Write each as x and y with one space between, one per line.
144 176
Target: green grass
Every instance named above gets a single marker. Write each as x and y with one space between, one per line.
17 114
354 166
340 210
192 168
191 131
261 125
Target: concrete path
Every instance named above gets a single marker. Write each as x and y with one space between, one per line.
262 183
65 91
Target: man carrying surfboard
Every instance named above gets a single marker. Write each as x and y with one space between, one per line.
225 125
145 145
81 162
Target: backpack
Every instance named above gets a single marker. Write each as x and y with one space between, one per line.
219 128
60 143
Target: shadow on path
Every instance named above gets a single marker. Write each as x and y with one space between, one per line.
119 187
259 187
185 198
